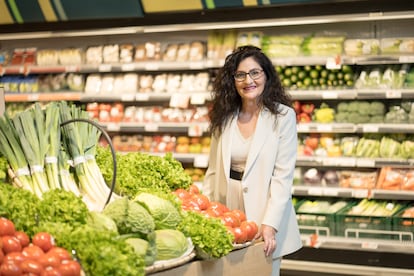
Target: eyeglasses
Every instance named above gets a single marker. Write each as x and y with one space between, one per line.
254 74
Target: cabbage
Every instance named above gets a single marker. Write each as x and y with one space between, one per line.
389 148
407 149
142 248
100 221
164 213
170 244
129 216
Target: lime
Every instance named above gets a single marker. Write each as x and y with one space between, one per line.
324 73
307 67
287 72
314 74
294 78
307 82
286 82
295 69
301 75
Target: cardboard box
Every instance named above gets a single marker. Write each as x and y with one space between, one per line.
249 261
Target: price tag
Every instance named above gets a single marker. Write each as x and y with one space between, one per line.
198 99
369 245
152 66
334 62
127 97
315 191
347 162
393 94
329 95
201 161
324 127
365 163
71 68
33 97
179 100
330 192
330 161
370 128
195 130
151 127
105 68
363 193
142 97
406 59
196 65
302 127
113 127
128 67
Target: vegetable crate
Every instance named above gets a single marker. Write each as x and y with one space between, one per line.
363 226
403 226
319 222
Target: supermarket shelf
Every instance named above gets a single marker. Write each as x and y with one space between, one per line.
195 97
43 97
352 93
298 190
353 128
321 268
346 162
199 160
192 129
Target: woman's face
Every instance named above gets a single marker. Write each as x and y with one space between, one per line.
249 86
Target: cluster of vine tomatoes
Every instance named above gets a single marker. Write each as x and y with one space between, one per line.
243 230
38 256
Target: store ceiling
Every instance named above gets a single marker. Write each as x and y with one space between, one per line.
52 15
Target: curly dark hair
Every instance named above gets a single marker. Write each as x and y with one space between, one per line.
227 102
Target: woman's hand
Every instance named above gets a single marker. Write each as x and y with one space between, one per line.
268 234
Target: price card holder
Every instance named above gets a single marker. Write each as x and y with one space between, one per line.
151 127
105 68
393 94
113 127
179 100
128 67
334 62
201 161
195 130
128 97
2 101
197 99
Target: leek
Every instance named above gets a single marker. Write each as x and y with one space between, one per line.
12 150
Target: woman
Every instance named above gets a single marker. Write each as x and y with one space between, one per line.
253 149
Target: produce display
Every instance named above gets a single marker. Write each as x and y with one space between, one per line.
315 76
21 254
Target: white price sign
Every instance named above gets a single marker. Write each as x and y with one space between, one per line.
151 127
201 161
105 68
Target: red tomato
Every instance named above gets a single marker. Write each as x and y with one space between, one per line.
250 228
10 269
44 240
31 266
230 219
208 213
70 268
11 244
1 256
218 208
240 236
239 214
50 259
51 271
194 189
33 252
202 201
6 227
16 257
60 252
23 238
190 204
182 194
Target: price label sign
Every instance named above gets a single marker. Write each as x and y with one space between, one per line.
113 127
127 97
334 62
363 193
179 100
151 127
201 161
393 94
128 67
197 99
105 68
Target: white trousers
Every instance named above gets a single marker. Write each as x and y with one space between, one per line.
276 266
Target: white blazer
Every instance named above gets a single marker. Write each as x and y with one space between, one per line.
268 177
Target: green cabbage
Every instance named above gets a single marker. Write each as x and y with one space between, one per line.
101 221
389 148
129 216
170 244
164 213
143 249
407 149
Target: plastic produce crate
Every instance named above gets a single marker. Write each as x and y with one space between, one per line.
319 222
403 226
363 226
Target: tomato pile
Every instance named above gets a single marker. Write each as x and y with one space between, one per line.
242 229
38 257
